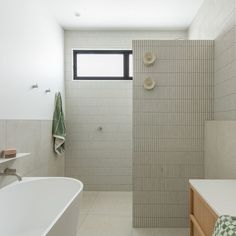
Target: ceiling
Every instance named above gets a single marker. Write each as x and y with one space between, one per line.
124 14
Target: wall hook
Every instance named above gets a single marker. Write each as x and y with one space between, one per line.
34 86
48 90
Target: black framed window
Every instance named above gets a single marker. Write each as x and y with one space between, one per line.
102 65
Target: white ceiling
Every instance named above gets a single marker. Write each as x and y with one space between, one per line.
124 14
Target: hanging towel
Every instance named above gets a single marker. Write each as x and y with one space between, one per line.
225 226
58 126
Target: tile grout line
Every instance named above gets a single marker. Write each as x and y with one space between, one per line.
87 214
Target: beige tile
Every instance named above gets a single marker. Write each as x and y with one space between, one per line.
82 218
24 135
113 203
168 127
220 149
106 225
88 200
89 105
144 232
104 180
160 232
109 187
210 149
33 136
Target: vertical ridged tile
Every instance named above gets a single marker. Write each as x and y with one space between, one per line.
168 128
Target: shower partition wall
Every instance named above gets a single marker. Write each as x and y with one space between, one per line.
168 127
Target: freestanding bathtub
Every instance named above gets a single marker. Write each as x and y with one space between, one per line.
40 206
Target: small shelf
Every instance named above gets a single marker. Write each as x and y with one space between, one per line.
18 155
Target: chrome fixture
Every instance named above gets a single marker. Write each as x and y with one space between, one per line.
48 91
34 86
11 172
99 128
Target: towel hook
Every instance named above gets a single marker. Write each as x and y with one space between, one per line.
48 91
34 86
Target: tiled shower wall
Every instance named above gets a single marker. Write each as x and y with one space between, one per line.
216 20
102 160
168 128
34 137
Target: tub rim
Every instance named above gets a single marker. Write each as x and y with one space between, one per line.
32 179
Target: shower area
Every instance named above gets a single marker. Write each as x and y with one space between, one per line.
168 127
123 136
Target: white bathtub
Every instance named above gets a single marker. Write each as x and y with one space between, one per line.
40 206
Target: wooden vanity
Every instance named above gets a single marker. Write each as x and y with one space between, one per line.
210 199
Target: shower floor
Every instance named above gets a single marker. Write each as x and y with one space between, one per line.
110 214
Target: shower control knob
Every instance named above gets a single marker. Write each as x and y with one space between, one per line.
99 128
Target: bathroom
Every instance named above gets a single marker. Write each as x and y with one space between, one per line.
148 93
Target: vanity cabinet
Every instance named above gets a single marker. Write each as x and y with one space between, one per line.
202 217
210 199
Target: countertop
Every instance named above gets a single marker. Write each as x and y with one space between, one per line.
219 194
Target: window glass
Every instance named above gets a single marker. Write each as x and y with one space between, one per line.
100 65
131 65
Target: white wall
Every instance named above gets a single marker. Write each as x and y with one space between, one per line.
212 19
102 160
216 20
31 51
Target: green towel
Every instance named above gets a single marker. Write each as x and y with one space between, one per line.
225 226
58 126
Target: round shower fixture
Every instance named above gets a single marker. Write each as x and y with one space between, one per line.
149 58
149 83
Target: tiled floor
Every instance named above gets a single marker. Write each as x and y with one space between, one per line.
110 214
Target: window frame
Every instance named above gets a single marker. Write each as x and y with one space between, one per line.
125 53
